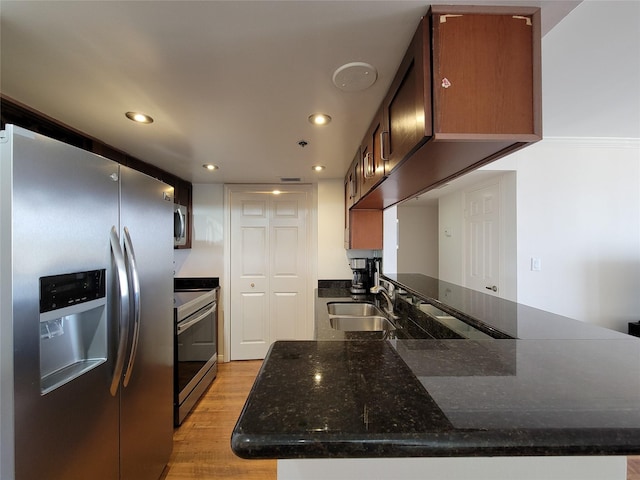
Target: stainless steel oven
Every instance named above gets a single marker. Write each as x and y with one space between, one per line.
195 341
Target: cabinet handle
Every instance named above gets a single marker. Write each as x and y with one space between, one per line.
353 183
494 288
369 165
382 143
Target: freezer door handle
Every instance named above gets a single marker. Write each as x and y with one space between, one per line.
132 270
123 288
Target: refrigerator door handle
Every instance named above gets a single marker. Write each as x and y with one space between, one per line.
123 286
132 270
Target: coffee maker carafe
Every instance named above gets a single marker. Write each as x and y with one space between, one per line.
360 283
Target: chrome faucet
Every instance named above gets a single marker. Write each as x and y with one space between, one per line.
379 289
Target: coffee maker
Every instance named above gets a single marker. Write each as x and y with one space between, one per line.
363 274
360 281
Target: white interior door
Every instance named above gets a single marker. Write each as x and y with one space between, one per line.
269 247
288 259
482 239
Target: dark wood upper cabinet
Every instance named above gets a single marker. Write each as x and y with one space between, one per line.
467 92
407 105
352 181
482 75
372 165
365 232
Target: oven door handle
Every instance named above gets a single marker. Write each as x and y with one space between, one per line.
190 323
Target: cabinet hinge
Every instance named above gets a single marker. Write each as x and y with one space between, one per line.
520 17
443 18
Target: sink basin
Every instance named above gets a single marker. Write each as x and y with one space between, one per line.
354 309
370 323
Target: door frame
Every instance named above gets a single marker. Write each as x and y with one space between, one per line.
312 245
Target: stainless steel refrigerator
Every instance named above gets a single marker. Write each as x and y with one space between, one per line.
86 302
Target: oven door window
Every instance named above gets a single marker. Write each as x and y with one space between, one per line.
196 342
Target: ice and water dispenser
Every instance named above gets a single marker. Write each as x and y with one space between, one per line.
73 326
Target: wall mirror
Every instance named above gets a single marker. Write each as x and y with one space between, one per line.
555 226
462 233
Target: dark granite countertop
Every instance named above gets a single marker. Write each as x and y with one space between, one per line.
513 319
575 393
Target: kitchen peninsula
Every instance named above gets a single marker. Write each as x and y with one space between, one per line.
559 399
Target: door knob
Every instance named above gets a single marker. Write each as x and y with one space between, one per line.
494 288
253 285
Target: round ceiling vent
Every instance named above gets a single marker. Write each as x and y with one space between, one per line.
355 76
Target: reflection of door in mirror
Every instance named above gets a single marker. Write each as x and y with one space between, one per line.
482 255
435 238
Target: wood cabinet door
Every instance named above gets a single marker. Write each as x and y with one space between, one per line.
407 106
347 205
372 166
355 179
352 191
365 229
482 75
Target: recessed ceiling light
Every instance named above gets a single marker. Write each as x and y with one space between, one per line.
139 117
210 166
318 168
319 118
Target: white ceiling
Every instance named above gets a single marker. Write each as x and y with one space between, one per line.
227 82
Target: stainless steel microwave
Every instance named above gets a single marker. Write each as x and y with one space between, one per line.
180 225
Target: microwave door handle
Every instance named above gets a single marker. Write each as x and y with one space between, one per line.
181 232
190 323
183 225
135 280
123 297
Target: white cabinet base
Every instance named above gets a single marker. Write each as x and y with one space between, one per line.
452 468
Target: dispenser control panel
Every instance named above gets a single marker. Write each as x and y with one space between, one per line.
60 291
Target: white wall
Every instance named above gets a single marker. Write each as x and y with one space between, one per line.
418 239
390 240
205 258
451 219
332 257
579 212
591 72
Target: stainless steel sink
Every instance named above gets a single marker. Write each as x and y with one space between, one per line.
353 309
371 323
358 317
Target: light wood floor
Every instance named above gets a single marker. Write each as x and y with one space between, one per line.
201 449
633 468
201 446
